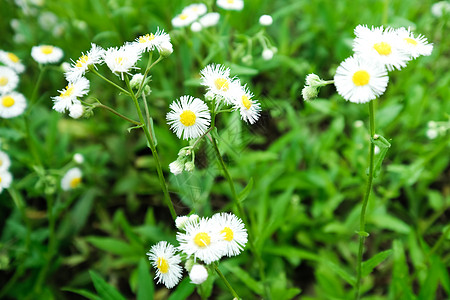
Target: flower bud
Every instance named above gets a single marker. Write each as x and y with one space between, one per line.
198 274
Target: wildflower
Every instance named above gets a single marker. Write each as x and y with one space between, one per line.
189 166
198 274
8 80
248 108
432 133
194 218
197 9
414 46
217 80
201 241
189 117
309 93
232 232
231 4
180 222
69 96
359 80
72 179
183 20
382 46
46 54
196 27
210 19
312 85
166 263
11 60
5 162
136 80
5 180
176 167
166 49
267 54
440 8
12 104
78 158
149 42
265 20
76 110
122 60
81 66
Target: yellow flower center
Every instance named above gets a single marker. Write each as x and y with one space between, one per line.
67 92
162 265
383 48
12 57
411 41
1 162
228 234
8 101
75 182
222 84
3 81
119 60
47 50
361 78
187 118
202 239
230 1
183 16
82 60
246 102
146 38
0 180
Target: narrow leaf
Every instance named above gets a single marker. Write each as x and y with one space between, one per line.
244 193
106 291
145 282
370 264
183 290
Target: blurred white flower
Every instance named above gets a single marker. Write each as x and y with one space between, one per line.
267 54
210 19
198 274
265 20
196 27
11 60
72 179
8 80
46 54
12 104
231 4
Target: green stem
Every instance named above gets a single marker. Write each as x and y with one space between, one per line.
152 147
233 292
93 70
362 220
37 85
117 113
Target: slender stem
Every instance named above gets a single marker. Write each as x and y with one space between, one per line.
37 85
117 113
362 220
152 147
93 70
233 292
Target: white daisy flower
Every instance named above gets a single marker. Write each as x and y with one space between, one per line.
231 4
248 108
80 67
380 45
5 162
5 180
440 8
183 20
11 60
12 104
166 263
201 241
149 42
180 221
210 19
414 46
72 179
196 27
217 80
69 96
122 60
359 80
8 80
176 167
197 9
198 274
189 117
46 54
265 20
232 232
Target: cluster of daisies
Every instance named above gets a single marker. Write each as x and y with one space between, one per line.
5 176
364 76
190 117
120 60
196 15
202 241
12 103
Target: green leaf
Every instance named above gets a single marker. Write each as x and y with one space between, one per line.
145 282
83 293
183 290
429 286
370 264
244 193
242 275
152 127
106 291
344 274
112 245
135 127
384 145
241 70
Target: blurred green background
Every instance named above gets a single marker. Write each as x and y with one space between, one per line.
307 160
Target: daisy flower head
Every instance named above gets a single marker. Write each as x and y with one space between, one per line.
198 274
11 60
150 41
414 46
5 162
233 235
183 20
5 180
69 96
8 80
265 20
381 45
72 179
248 108
189 117
166 263
217 80
122 60
80 67
12 104
197 9
46 54
231 4
360 80
210 19
201 241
